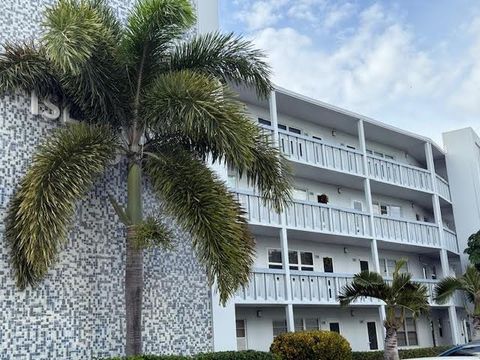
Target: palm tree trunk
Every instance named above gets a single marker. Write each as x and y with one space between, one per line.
476 328
391 346
134 263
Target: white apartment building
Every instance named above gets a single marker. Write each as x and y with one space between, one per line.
388 199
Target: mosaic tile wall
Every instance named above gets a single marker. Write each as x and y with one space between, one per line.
78 311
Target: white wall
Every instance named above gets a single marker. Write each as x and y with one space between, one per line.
463 165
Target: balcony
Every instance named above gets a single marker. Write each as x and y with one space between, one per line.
443 188
268 286
396 173
302 215
318 153
327 219
404 231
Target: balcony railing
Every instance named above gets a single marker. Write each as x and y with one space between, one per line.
411 232
268 286
443 188
450 239
324 218
316 152
257 211
399 174
265 286
303 215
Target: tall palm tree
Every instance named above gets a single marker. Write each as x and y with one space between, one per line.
150 91
401 295
470 284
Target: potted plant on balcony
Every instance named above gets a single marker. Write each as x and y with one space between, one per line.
323 199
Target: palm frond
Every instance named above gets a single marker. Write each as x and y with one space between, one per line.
365 284
400 282
446 288
150 233
151 27
227 57
197 111
63 170
80 39
201 204
25 67
413 297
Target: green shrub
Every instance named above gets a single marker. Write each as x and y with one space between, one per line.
237 355
311 345
225 355
404 354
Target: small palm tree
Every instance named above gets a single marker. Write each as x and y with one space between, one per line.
149 91
400 295
470 284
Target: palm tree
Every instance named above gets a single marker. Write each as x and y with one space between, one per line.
470 284
151 92
400 296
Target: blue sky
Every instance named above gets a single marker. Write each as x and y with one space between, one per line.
411 63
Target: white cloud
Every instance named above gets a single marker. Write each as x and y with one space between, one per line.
259 14
337 14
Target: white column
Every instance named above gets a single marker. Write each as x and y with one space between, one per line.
283 230
368 199
286 267
437 212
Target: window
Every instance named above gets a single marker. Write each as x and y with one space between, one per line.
440 327
282 127
232 181
328 264
298 260
387 210
388 266
316 137
264 122
357 205
299 194
363 265
312 324
294 130
390 157
275 259
407 334
279 327
335 327
306 261
299 325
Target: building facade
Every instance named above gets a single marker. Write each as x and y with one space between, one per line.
365 195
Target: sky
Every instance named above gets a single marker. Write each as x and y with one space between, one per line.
414 64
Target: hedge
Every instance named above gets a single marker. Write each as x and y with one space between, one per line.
404 354
311 345
225 355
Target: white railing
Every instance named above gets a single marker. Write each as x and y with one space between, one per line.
399 174
316 152
443 188
321 288
257 211
450 240
266 285
324 218
412 232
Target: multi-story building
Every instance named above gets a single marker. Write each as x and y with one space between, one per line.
365 195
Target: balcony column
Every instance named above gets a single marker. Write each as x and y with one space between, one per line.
286 267
368 199
272 102
437 212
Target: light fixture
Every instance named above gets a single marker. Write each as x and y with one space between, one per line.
345 250
334 132
352 313
339 189
259 313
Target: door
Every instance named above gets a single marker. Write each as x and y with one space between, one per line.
241 335
372 335
363 265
